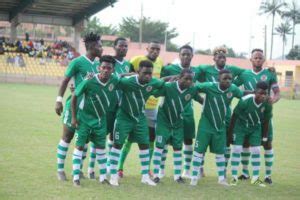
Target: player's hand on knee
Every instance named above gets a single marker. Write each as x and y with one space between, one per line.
58 108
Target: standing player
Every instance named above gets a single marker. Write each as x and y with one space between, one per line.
185 56
210 73
212 128
90 123
248 79
170 121
78 69
250 120
153 51
121 66
131 121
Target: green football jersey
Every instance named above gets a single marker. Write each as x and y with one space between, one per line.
174 101
210 73
135 94
80 67
119 68
96 98
250 114
217 102
249 78
122 67
175 69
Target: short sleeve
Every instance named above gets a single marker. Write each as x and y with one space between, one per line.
268 112
81 88
203 87
71 69
237 92
159 92
240 107
123 83
273 81
236 71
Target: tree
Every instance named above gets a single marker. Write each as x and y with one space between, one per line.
292 13
94 25
271 8
283 30
294 53
152 30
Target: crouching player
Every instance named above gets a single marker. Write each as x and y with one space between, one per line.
212 128
90 122
252 114
170 129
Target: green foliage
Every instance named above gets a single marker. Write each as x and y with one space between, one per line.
94 25
294 53
152 30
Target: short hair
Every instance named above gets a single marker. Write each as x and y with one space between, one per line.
107 58
255 50
224 71
186 47
185 71
145 63
91 37
262 85
219 50
119 39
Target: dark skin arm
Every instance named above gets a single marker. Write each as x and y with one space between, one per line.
276 96
61 92
230 130
73 108
199 99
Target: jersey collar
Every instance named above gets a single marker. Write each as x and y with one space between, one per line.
92 62
256 73
137 81
221 89
178 88
225 67
121 63
257 105
104 84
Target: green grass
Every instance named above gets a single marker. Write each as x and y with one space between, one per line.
30 131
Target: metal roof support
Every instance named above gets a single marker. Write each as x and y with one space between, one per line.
20 8
93 9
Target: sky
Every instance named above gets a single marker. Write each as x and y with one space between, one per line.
206 24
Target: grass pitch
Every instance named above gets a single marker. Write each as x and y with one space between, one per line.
30 131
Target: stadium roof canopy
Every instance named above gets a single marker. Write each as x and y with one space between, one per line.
54 12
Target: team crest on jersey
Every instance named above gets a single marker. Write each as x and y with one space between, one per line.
149 88
127 68
229 94
89 75
187 97
262 109
263 78
111 87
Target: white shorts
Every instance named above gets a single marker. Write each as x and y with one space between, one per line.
151 116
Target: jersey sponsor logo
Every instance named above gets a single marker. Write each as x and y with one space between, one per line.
111 87
263 78
187 97
149 88
229 95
